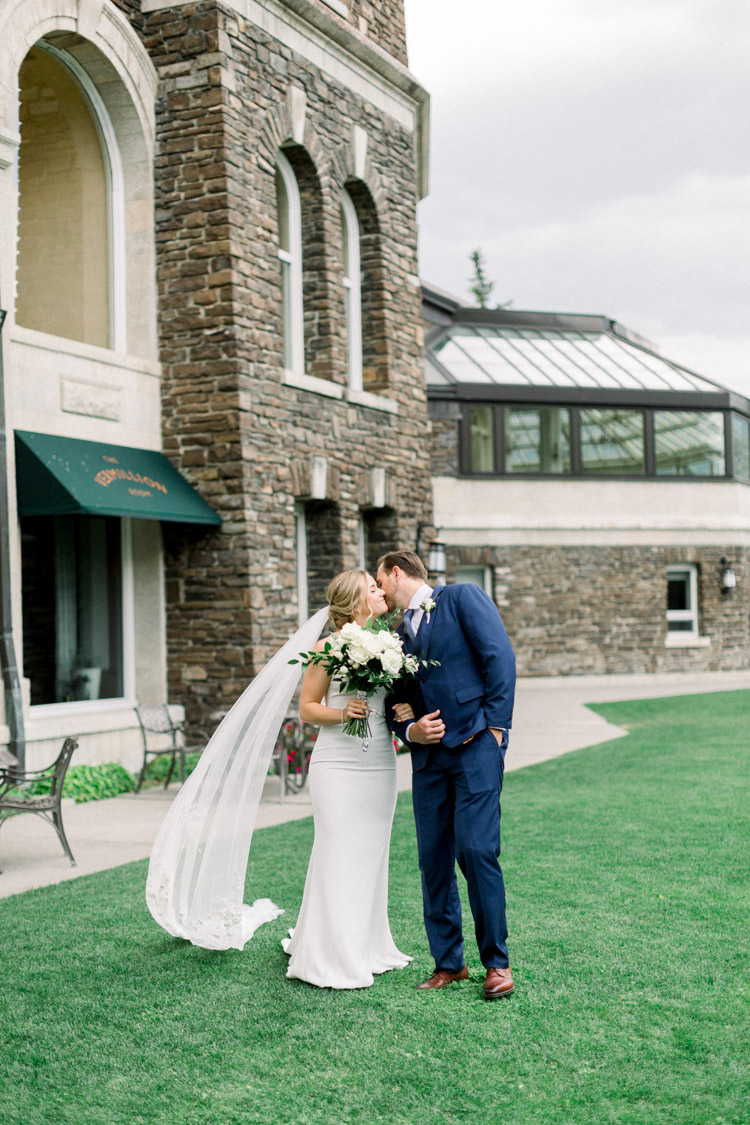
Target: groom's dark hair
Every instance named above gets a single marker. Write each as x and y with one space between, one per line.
407 561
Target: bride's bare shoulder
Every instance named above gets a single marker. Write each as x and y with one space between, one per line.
322 643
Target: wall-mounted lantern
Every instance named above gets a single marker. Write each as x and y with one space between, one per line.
728 577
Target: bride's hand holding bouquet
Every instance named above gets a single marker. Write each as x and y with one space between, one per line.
363 658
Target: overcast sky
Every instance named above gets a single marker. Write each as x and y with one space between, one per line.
598 152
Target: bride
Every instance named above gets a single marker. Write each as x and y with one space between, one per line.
343 937
197 872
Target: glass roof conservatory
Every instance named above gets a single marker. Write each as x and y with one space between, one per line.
561 394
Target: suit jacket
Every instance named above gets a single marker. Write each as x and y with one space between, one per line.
474 684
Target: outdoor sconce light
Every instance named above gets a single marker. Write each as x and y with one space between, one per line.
728 577
436 563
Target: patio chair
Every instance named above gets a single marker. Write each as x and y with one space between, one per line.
47 806
161 735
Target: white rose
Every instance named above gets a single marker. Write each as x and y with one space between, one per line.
391 662
411 664
350 632
358 654
370 642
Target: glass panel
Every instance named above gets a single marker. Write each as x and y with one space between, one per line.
681 626
482 439
462 368
689 443
678 590
612 441
72 608
282 212
474 575
741 442
63 268
537 439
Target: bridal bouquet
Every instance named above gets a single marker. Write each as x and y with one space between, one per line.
363 658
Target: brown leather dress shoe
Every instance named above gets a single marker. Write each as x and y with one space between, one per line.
440 978
498 983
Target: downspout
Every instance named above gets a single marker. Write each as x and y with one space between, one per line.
11 678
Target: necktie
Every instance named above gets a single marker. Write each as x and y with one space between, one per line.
408 627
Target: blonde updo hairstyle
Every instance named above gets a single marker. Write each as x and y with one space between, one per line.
344 596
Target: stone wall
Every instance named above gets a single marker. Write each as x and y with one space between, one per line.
591 610
230 97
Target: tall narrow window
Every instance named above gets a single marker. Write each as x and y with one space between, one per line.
301 536
352 283
71 212
289 213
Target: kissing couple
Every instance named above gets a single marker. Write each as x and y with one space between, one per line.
453 716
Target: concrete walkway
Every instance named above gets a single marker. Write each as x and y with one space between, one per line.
550 719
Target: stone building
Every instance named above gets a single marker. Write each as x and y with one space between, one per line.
207 257
600 492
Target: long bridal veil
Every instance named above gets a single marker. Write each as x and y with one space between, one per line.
196 877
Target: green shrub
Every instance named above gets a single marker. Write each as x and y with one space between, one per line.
158 768
88 783
93 783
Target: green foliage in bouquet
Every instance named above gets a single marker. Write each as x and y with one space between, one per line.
363 658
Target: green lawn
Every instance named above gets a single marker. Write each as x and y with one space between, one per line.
627 874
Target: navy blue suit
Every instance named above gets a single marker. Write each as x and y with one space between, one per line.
456 783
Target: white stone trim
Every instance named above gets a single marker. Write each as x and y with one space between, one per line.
312 383
372 401
359 151
687 640
297 106
338 6
44 341
584 537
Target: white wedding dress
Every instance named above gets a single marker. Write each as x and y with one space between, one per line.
343 937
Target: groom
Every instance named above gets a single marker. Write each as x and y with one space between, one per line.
464 707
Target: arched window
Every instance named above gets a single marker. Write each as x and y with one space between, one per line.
352 282
71 212
289 213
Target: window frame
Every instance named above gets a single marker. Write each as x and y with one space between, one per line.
486 574
685 635
127 602
293 312
352 284
467 401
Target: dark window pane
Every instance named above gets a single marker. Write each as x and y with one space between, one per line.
689 443
612 441
741 439
72 608
678 590
680 626
482 439
537 439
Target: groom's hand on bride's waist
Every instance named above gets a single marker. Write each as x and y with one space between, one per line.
427 730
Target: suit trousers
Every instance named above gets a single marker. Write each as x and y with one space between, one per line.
456 798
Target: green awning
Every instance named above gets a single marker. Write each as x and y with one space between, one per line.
58 476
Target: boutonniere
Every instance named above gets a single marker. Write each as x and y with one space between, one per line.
427 605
